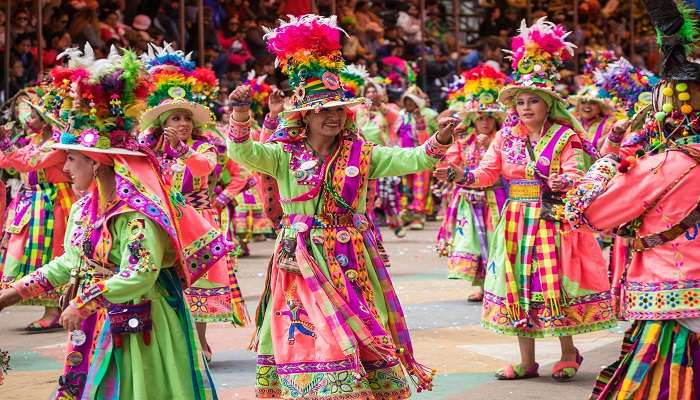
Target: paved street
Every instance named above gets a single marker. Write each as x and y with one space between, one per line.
445 328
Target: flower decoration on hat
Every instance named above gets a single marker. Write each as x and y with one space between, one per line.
354 78
100 99
538 53
260 91
308 50
178 85
454 94
624 83
401 74
481 87
592 93
596 60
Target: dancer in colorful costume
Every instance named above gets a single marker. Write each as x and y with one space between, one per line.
36 220
542 278
412 128
130 251
473 214
251 221
329 324
630 91
177 127
654 200
597 115
375 122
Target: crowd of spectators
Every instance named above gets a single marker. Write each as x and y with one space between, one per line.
234 45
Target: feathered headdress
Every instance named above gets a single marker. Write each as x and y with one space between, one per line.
178 85
101 101
308 50
400 74
539 51
624 83
481 87
454 94
354 78
260 90
596 60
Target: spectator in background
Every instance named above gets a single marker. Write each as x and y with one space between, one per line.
140 26
112 30
409 22
3 39
254 37
22 51
17 81
85 27
167 20
20 24
58 24
438 72
232 40
367 20
57 44
489 26
352 46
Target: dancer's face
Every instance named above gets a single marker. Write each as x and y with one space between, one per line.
410 105
589 110
80 168
485 124
372 94
531 109
327 121
181 120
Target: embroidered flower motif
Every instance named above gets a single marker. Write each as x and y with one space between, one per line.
660 300
672 299
645 301
89 137
691 299
198 303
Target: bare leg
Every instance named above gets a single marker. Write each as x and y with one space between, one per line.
202 335
527 351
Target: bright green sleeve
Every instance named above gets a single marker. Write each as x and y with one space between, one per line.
57 271
431 120
263 157
139 250
396 161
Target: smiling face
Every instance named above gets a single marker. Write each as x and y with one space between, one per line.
180 120
326 122
588 110
485 124
80 168
372 94
531 109
409 104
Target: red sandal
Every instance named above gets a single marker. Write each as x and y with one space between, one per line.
42 325
566 368
512 372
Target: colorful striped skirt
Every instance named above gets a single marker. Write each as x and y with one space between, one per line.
33 233
657 362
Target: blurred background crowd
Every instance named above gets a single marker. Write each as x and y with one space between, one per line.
451 35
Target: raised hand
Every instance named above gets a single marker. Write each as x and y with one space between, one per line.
447 128
275 103
172 136
240 100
